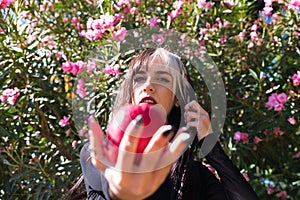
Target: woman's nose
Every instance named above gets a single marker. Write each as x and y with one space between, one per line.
149 87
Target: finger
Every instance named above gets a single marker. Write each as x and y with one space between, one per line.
192 124
175 149
191 115
191 106
96 143
202 126
132 134
129 143
196 107
160 139
155 148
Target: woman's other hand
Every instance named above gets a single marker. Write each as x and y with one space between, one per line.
196 117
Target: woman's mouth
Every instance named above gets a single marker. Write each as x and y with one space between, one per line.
148 100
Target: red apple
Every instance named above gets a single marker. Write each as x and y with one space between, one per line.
153 118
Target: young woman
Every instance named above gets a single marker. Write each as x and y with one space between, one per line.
158 77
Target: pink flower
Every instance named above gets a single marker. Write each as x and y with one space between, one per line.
245 138
73 68
92 65
174 14
92 3
67 66
120 34
294 4
204 4
277 131
257 140
78 26
112 70
177 4
253 35
10 95
46 39
207 25
282 97
223 39
52 44
282 194
203 31
74 20
5 3
226 23
272 101
89 23
65 121
3 98
80 88
201 3
65 20
239 136
95 28
297 154
268 2
154 21
268 10
229 2
254 27
270 190
296 79
250 45
278 107
59 55
242 35
292 120
276 101
78 67
133 10
122 3
259 41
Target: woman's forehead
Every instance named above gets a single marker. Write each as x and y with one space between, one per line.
157 64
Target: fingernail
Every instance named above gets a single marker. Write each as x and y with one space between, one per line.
138 120
166 133
186 138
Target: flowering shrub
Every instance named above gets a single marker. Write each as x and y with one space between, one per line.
45 46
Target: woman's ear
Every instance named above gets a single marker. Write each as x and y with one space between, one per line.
176 103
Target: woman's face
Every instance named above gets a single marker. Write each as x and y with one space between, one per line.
153 85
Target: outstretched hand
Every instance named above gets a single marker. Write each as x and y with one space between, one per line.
129 174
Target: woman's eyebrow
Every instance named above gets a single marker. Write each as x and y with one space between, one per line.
163 72
140 72
160 72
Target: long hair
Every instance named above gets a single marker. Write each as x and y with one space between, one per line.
184 93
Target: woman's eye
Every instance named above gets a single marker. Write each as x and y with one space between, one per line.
139 79
162 79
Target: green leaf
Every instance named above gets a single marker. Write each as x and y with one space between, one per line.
253 74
